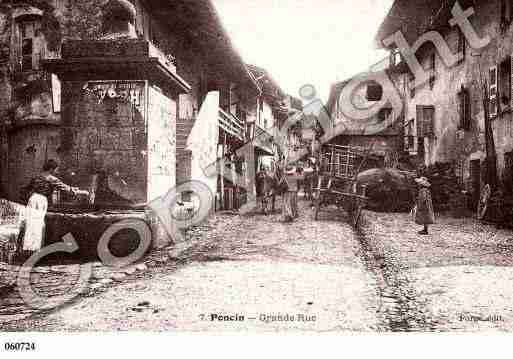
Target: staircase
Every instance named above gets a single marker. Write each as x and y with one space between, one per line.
183 156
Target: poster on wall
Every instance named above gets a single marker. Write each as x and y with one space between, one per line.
132 91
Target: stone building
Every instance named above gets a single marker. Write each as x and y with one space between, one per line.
150 94
383 131
445 116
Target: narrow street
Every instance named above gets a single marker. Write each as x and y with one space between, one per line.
256 273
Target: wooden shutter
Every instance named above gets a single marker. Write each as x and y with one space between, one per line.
462 44
464 108
420 121
428 121
425 121
511 83
493 91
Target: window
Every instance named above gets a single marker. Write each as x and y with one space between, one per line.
504 84
29 30
409 140
462 44
506 13
374 92
492 92
425 121
250 130
224 97
464 108
234 99
395 57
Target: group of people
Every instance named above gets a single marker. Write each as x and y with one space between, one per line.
287 180
291 179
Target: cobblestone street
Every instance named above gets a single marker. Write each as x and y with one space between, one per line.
244 271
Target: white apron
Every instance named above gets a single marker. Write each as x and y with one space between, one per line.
35 222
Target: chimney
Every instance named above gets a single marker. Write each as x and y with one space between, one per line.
118 20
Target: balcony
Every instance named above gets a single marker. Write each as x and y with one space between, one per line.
264 141
123 59
231 124
167 60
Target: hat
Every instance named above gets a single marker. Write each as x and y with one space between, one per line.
423 181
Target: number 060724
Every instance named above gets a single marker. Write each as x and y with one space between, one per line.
19 347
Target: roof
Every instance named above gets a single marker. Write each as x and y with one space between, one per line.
415 17
198 22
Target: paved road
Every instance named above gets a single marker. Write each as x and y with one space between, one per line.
254 273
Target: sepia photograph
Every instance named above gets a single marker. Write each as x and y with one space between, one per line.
255 166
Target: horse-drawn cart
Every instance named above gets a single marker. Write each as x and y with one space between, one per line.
338 169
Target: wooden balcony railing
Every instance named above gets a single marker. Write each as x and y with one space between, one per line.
231 124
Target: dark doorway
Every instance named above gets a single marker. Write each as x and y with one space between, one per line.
420 149
475 176
508 173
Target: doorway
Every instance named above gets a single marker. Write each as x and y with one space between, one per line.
475 177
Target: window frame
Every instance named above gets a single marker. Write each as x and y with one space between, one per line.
34 57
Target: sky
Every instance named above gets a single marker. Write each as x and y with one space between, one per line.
300 42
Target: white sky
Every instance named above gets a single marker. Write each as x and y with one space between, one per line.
303 42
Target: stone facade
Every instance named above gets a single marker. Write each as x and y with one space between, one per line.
456 127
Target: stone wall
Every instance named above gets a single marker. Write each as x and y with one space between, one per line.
106 133
449 143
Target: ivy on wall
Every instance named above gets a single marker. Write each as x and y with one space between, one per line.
83 19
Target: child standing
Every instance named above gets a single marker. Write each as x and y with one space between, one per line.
424 213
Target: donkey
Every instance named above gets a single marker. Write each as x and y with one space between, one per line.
269 184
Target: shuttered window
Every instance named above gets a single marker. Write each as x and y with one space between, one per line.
29 34
493 91
464 108
462 45
425 121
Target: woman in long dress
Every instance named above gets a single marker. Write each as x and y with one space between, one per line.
41 188
424 214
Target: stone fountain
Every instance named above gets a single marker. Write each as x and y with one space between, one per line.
117 133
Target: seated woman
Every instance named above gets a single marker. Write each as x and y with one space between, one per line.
40 190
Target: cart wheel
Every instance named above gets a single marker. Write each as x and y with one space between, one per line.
357 215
